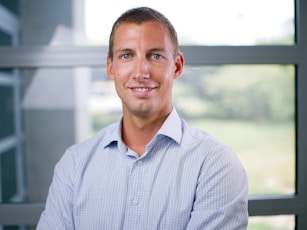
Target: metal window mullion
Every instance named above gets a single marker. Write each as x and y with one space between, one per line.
223 55
47 56
301 131
301 99
275 205
18 133
0 182
20 213
301 149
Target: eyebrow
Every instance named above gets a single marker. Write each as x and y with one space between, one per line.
122 50
159 49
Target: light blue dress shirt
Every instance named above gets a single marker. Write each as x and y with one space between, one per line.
186 179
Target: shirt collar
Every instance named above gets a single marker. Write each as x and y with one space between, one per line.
112 134
172 128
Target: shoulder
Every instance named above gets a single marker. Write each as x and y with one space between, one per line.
99 140
77 155
200 137
209 148
214 156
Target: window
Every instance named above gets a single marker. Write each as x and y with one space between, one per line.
244 82
221 22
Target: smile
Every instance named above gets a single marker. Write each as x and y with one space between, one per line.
141 89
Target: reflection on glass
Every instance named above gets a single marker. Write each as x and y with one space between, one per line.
55 117
281 222
251 108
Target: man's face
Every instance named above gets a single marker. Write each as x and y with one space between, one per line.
144 67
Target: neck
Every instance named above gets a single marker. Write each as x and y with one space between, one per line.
138 132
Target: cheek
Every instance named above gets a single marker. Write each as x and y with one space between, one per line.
123 72
169 76
120 81
170 84
166 85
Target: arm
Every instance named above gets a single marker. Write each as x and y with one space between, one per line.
221 195
58 209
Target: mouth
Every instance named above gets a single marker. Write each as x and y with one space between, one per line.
142 89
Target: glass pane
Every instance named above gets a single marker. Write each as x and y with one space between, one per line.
61 107
251 108
8 175
282 222
219 22
55 116
5 39
6 111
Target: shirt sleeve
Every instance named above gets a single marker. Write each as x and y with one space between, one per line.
221 198
58 209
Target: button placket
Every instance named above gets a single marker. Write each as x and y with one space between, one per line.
133 210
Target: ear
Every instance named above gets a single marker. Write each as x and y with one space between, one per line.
179 63
110 68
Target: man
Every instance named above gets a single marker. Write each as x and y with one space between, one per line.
150 170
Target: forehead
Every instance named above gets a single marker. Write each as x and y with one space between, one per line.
150 31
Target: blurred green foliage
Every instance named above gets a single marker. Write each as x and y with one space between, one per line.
262 93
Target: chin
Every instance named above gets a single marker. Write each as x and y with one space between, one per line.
142 113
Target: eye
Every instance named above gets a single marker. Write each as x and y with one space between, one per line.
126 56
156 56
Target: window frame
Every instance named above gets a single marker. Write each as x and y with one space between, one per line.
9 24
56 57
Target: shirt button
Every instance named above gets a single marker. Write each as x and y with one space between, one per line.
139 163
135 202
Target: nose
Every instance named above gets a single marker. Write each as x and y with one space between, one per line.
142 70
